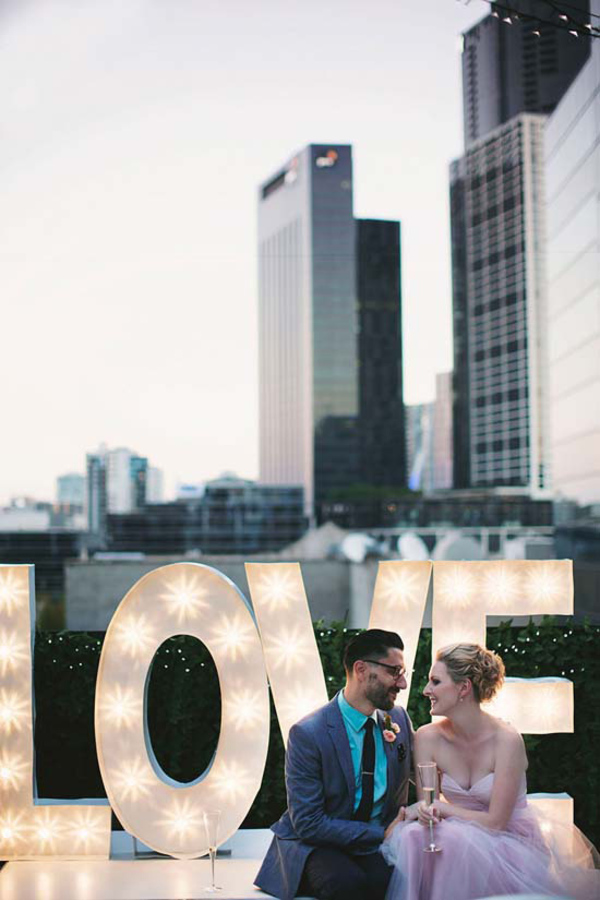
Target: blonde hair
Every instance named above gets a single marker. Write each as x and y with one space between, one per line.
483 668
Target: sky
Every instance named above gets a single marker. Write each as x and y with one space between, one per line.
133 136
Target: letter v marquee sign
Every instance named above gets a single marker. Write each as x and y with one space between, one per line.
189 598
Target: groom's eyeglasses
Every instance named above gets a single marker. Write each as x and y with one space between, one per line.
397 671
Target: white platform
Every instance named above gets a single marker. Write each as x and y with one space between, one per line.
124 877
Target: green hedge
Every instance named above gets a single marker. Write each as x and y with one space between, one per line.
184 711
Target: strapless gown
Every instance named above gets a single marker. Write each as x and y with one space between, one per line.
531 856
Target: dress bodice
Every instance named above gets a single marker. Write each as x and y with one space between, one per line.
479 794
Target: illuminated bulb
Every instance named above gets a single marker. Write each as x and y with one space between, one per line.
456 587
135 635
12 592
244 709
12 711
11 770
184 599
122 707
11 651
288 650
547 584
234 637
7 833
182 819
400 589
84 828
277 589
133 780
501 586
229 780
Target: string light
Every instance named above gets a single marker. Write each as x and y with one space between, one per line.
567 23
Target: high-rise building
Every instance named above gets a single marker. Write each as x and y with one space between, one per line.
573 191
154 485
381 421
419 446
522 67
312 256
70 489
96 492
500 421
498 226
116 483
442 432
307 323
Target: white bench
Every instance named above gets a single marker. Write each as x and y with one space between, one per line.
134 873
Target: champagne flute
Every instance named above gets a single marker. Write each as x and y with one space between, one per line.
212 818
428 775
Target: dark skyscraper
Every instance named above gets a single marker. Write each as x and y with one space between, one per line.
381 429
509 69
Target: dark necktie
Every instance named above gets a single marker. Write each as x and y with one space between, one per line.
365 807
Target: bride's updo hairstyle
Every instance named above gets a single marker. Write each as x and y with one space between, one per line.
484 669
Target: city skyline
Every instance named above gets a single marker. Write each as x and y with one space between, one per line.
129 166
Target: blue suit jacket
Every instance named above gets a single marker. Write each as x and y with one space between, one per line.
320 785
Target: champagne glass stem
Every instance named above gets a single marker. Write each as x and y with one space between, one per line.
212 868
431 838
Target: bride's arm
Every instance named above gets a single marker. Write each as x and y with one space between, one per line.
424 751
511 762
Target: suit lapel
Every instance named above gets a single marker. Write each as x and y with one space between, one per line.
339 737
393 766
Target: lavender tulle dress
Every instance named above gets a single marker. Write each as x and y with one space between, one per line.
532 855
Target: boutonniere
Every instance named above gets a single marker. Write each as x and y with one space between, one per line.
390 729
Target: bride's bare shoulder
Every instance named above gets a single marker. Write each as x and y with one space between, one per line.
428 734
508 739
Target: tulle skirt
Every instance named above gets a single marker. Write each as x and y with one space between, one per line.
534 855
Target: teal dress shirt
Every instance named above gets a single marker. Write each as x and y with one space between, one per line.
354 722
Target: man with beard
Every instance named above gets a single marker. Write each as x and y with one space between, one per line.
347 768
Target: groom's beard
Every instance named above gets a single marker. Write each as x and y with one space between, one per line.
380 696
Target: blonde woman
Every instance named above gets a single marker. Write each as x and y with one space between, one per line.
492 842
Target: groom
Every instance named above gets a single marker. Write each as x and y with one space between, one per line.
346 775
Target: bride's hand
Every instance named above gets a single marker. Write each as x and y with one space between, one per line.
435 812
399 818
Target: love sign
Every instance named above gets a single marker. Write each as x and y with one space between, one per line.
277 647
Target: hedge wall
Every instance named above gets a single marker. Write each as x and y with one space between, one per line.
184 711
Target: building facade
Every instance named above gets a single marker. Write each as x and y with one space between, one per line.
307 323
70 489
499 257
232 516
321 403
523 67
573 190
381 418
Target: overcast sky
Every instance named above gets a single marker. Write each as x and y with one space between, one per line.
133 134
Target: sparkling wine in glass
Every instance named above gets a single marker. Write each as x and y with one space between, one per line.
212 818
428 775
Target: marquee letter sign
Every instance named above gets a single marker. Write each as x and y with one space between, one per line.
28 829
189 598
168 816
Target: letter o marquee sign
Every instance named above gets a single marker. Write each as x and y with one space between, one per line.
192 599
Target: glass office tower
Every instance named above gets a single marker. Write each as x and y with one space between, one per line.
308 324
500 362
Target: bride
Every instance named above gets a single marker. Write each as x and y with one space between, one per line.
492 841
